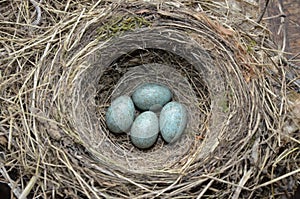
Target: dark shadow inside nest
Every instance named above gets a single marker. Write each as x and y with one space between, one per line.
119 67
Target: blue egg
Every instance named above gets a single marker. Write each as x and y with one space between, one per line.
144 130
172 121
151 96
120 115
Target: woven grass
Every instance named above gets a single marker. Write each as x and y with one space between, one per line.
58 75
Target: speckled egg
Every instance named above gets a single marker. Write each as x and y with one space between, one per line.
120 115
172 121
144 130
151 95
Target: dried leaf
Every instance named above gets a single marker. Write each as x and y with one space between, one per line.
3 140
142 11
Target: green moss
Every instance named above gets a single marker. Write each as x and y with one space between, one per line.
251 45
224 104
121 24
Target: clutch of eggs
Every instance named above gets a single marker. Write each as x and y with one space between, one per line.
144 129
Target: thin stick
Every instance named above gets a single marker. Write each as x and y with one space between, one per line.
38 11
263 11
277 179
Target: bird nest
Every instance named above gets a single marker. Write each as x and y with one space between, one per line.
60 76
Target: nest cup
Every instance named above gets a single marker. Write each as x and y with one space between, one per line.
165 39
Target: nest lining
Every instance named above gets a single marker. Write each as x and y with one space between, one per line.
182 92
